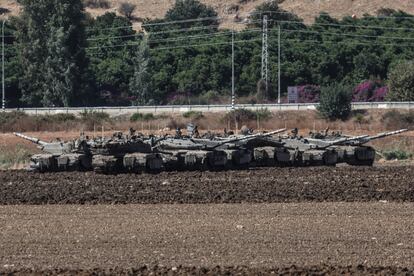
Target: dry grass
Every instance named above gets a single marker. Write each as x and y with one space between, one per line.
306 9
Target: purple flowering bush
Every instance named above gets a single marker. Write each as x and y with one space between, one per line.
309 93
370 91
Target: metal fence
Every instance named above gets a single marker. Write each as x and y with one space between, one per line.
116 111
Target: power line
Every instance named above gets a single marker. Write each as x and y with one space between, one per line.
207 44
180 38
328 15
345 25
350 35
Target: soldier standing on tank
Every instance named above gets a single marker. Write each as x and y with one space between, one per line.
178 133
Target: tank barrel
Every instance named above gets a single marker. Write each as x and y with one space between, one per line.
238 139
345 140
31 139
367 139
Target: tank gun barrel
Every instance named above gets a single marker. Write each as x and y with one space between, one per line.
344 141
31 139
248 137
367 139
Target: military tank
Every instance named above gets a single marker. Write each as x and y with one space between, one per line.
216 153
243 151
352 150
118 153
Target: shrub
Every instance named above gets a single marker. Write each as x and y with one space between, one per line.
240 115
263 114
397 155
370 91
195 115
309 93
91 115
142 117
401 82
335 102
94 4
127 9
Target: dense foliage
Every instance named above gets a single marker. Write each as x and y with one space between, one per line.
401 82
335 102
57 55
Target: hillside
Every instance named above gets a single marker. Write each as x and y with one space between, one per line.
306 9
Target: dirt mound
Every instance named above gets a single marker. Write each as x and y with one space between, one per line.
318 270
254 186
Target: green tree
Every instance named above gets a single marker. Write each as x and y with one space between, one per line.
335 102
140 81
401 82
191 9
51 39
112 46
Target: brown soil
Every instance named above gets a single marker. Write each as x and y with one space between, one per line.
256 186
307 9
314 237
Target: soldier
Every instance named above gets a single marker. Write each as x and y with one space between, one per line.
295 132
195 133
178 133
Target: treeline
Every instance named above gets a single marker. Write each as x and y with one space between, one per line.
57 55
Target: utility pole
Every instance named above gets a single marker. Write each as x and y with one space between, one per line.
3 105
265 54
232 71
278 67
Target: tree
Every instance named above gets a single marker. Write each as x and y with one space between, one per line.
51 37
127 9
191 9
140 81
112 66
335 102
275 14
401 82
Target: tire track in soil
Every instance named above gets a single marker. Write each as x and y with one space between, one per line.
268 185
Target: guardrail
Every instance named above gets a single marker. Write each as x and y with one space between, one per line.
116 111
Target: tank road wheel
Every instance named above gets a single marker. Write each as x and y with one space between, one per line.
106 164
143 162
217 160
73 162
363 156
264 156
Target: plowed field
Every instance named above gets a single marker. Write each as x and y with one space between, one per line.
297 221
254 186
258 237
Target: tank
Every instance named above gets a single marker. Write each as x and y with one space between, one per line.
352 150
242 151
115 154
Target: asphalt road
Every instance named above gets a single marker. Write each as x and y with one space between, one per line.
210 235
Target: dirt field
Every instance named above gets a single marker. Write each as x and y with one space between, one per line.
325 236
301 221
306 9
267 185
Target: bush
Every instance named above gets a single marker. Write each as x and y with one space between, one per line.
309 93
142 117
240 115
55 118
370 91
401 82
397 155
335 102
263 114
395 119
95 4
97 116
195 115
127 9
